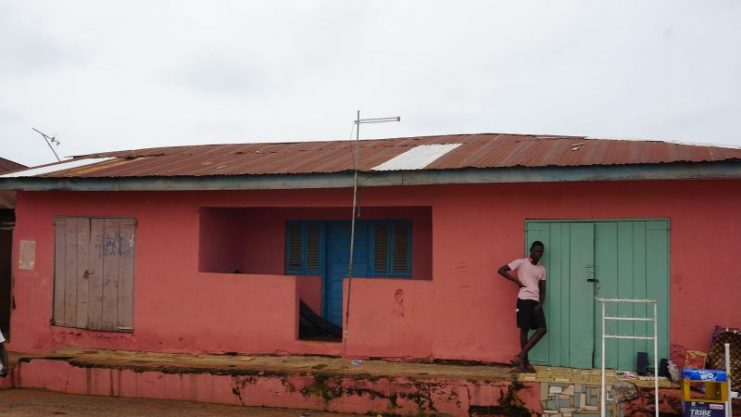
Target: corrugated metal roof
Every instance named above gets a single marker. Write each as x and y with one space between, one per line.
417 157
7 198
51 169
474 151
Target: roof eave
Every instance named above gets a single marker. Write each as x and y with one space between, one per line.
677 171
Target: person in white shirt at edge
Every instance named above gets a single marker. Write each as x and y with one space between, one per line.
531 280
3 356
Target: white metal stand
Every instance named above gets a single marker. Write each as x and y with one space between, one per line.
727 357
605 336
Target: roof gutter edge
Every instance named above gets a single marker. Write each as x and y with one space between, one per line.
705 171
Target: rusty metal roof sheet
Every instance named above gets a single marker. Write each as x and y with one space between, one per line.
473 151
7 198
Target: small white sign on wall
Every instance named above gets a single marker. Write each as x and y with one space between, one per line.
27 255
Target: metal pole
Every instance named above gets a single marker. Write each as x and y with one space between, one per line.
656 359
604 396
352 229
354 195
355 210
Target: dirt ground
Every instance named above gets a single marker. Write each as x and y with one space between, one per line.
34 403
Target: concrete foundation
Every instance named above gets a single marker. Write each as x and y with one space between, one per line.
331 384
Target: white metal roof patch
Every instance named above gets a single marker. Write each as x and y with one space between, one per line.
416 158
47 169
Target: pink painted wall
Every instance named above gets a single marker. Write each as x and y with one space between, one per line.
221 240
390 317
310 290
253 239
465 312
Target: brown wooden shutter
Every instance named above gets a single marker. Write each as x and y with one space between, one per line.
381 249
60 276
294 247
313 252
126 234
83 256
401 249
94 273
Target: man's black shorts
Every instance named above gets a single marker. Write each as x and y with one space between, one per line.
528 317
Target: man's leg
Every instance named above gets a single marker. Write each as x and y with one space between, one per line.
524 323
539 333
538 321
524 332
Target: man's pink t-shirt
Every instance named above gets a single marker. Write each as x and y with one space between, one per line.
530 275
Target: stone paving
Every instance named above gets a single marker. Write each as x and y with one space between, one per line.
567 392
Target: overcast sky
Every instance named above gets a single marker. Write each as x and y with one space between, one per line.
105 75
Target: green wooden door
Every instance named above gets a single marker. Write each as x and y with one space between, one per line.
569 261
629 259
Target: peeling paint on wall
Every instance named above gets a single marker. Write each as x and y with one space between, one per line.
27 256
398 309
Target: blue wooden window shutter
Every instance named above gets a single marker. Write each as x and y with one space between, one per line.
304 242
391 243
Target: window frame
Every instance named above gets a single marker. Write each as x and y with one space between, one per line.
304 232
391 251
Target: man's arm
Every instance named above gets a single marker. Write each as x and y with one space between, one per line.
4 359
541 291
504 271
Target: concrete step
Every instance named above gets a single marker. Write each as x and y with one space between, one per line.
368 387
315 383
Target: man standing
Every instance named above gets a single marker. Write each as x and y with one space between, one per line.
531 280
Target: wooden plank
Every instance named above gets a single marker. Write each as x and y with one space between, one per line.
581 295
95 275
60 271
70 266
606 263
126 254
362 259
82 276
657 279
110 274
557 285
639 286
625 347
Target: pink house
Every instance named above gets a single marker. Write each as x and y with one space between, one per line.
246 248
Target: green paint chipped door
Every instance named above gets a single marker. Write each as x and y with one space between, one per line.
584 259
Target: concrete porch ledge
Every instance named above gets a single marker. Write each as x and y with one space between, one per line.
321 383
308 382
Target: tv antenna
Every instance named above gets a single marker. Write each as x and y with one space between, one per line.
49 140
356 161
